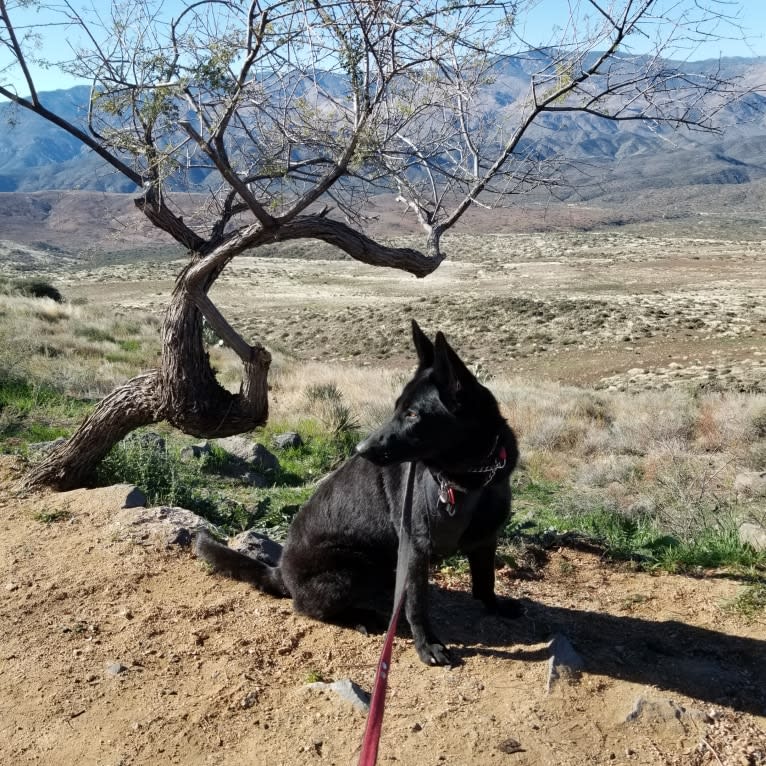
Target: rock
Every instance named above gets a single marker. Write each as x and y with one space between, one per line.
149 440
253 479
565 663
750 484
288 440
249 700
252 454
165 524
196 451
40 449
510 746
663 711
115 668
346 689
257 546
753 535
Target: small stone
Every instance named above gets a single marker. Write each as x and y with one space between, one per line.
126 613
750 484
416 727
115 669
12 586
346 689
249 700
753 535
257 546
196 451
289 440
510 746
565 662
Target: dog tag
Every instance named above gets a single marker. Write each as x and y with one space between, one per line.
447 496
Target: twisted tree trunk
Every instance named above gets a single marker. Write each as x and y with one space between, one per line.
183 391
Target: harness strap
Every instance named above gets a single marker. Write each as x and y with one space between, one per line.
371 739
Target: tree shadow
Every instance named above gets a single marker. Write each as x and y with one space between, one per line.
718 668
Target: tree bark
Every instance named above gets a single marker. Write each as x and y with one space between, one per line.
183 391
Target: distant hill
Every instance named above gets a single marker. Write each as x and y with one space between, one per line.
617 172
36 156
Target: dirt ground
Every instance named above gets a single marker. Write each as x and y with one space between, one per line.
115 652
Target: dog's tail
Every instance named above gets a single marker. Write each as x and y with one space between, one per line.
239 566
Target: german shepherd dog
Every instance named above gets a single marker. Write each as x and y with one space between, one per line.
341 550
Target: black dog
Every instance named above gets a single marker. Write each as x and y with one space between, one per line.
341 551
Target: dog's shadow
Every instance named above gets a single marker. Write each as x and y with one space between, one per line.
718 668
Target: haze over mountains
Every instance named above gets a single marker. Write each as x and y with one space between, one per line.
620 165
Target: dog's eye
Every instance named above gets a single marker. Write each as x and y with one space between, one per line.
411 414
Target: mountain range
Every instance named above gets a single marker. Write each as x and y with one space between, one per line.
614 163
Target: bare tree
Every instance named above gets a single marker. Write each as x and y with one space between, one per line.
289 114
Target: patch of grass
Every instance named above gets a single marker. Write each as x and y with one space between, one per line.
750 602
161 475
327 401
276 506
94 333
315 676
321 451
454 565
642 539
50 517
130 345
645 537
208 487
32 413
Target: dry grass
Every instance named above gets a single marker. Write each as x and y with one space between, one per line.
672 454
80 351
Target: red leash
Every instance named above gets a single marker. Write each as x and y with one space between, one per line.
369 754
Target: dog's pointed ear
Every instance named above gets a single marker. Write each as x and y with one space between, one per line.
423 346
452 376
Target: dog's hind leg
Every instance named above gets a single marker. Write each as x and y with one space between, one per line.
482 564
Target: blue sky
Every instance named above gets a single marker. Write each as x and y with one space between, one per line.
540 27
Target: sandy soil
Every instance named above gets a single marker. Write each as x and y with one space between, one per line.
212 672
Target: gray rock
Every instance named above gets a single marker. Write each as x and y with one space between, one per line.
196 451
663 711
565 663
250 699
115 668
255 456
253 479
257 546
347 690
40 449
291 439
163 524
149 440
750 484
753 535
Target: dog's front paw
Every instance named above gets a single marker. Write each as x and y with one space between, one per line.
434 653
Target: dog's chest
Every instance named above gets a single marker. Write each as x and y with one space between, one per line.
449 519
